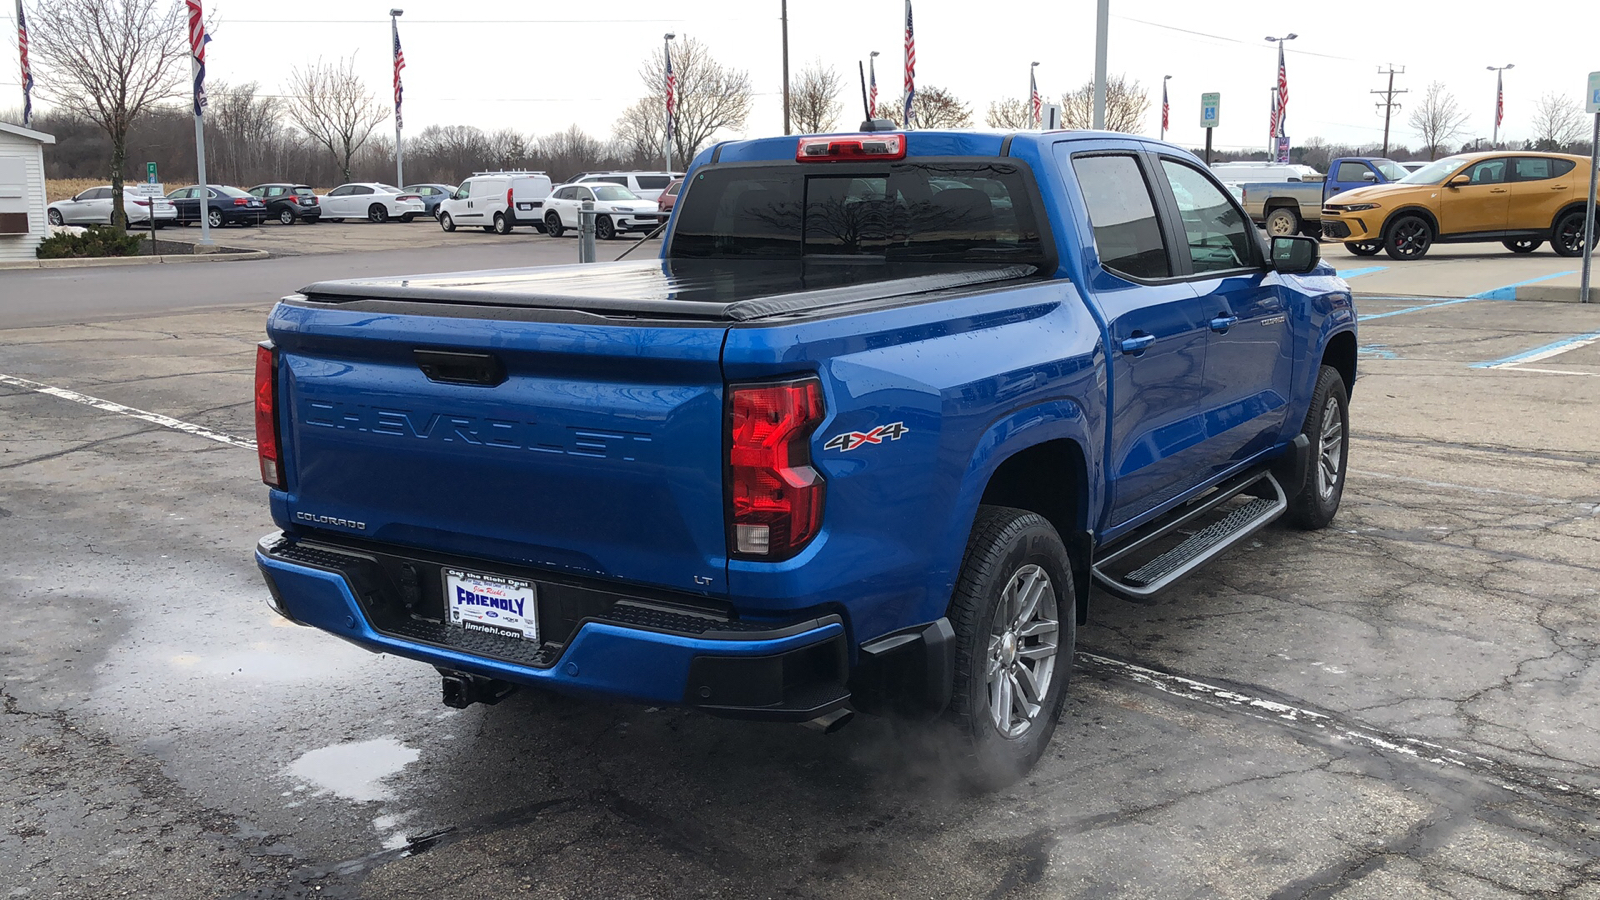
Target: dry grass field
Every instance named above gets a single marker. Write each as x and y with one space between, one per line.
64 188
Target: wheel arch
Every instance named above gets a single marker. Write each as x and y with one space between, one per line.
1340 353
1576 206
1422 212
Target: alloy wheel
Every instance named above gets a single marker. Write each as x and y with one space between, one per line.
1331 453
1023 643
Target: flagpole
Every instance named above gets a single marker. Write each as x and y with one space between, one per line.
1279 89
399 147
27 74
1499 96
199 158
911 70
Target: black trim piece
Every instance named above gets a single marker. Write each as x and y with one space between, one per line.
908 673
796 685
716 154
460 367
1005 145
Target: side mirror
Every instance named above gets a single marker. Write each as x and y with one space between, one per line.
1294 255
1368 176
1459 180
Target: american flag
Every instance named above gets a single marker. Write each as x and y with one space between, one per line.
399 64
672 91
197 48
1280 100
1034 99
911 68
1166 110
872 87
1499 100
27 71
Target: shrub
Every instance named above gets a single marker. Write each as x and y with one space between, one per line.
97 240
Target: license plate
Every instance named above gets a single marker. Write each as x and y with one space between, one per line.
492 604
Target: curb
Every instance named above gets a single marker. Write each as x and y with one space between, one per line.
1532 294
1556 293
99 262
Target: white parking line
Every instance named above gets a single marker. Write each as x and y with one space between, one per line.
130 412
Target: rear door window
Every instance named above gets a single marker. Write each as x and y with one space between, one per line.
1123 215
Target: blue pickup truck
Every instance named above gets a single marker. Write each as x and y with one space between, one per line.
1295 206
863 438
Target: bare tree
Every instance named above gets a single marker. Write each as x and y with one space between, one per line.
508 149
110 61
932 107
333 107
1012 112
569 152
247 128
710 98
1127 104
1557 122
814 99
1438 118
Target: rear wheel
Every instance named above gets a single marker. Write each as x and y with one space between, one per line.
408 217
1014 617
1283 223
286 216
1364 248
1408 237
1523 245
1327 426
552 224
377 213
502 225
447 223
214 218
1567 237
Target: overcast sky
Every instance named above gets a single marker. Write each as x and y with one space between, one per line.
540 67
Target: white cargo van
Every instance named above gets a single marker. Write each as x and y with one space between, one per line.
497 202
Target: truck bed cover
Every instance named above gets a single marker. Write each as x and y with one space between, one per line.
702 290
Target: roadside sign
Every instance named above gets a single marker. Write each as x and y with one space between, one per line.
150 173
150 188
1592 98
1210 110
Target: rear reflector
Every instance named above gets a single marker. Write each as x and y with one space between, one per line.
267 415
829 149
774 495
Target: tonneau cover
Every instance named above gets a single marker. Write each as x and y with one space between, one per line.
726 290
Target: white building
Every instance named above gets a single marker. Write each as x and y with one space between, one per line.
22 200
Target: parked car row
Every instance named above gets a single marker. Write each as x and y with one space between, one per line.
626 202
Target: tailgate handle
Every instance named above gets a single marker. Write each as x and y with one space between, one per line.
455 367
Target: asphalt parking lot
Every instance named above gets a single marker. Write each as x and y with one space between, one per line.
353 236
1403 705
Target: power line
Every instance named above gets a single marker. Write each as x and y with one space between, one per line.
1388 104
1230 40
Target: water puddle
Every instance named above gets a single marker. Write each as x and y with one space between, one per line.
355 771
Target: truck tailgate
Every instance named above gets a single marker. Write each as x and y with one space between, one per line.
593 449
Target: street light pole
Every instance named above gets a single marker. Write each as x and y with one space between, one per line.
399 148
784 14
666 59
1277 104
1101 26
1499 96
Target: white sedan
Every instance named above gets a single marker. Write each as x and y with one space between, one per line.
372 201
620 210
93 207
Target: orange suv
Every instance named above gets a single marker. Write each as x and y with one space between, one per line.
1518 199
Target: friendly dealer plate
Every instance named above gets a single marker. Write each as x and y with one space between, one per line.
492 604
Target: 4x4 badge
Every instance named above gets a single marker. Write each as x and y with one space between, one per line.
853 439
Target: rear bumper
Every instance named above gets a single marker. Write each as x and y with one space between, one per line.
622 646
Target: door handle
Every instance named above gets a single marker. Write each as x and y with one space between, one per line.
1497 190
1139 343
1221 324
1558 187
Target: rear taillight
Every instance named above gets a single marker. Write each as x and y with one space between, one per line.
826 149
774 494
508 198
241 201
267 415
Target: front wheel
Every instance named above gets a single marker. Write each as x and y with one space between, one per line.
1408 237
1523 245
55 218
1567 237
502 225
1364 248
1015 622
447 223
1283 223
603 229
1327 426
377 214
552 224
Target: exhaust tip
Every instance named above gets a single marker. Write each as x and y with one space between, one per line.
828 723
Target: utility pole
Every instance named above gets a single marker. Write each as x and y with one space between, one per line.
1388 104
784 13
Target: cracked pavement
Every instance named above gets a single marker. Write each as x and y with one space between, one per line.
1403 705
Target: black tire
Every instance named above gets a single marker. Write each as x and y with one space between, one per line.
487 229
502 225
1282 223
408 218
447 223
1364 248
1408 237
552 224
1566 238
1523 245
338 221
55 218
286 216
603 229
377 214
214 218
1007 547
1312 505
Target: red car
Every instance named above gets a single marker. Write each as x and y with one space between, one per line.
669 196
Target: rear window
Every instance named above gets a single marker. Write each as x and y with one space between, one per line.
229 192
652 182
304 192
977 211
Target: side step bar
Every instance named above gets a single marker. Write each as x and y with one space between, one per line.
1197 549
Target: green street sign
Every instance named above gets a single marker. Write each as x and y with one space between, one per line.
150 173
1210 110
